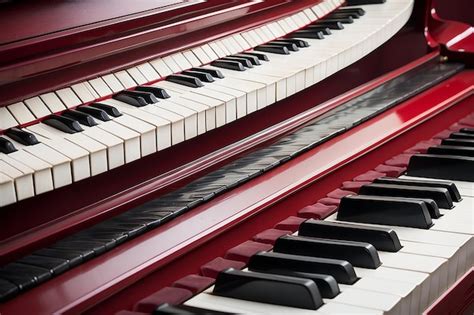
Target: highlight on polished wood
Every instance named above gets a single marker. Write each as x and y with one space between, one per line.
223 157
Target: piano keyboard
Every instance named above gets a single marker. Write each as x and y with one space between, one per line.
366 258
95 126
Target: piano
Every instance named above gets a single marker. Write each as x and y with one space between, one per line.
220 157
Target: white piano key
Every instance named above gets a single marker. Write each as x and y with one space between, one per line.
310 14
263 35
23 181
37 107
97 153
7 190
221 45
21 113
404 290
291 22
131 139
201 55
194 121
80 165
161 125
209 52
61 165
161 67
388 303
204 107
177 126
171 63
181 61
137 75
100 87
147 132
420 281
115 145
268 33
125 79
216 111
6 119
191 58
83 92
114 84
53 102
248 87
68 97
285 26
240 102
217 50
230 45
276 29
148 72
249 39
43 176
242 42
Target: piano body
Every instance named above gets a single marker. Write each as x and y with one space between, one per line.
206 157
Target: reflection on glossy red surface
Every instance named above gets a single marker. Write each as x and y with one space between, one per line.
141 266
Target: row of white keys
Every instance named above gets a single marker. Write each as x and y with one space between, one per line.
96 151
60 164
157 132
225 105
211 110
21 174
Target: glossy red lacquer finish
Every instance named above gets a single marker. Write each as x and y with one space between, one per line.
458 299
47 62
233 215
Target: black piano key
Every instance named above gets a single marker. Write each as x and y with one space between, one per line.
85 246
274 49
342 20
334 25
6 146
185 80
252 59
440 195
246 63
458 142
81 117
384 239
385 210
290 46
214 72
64 124
229 65
451 167
94 112
341 270
298 42
268 288
22 136
7 290
72 256
167 309
324 30
461 135
54 265
204 77
467 130
158 92
451 187
307 34
24 276
136 98
326 284
359 11
451 150
109 109
363 2
359 254
260 56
